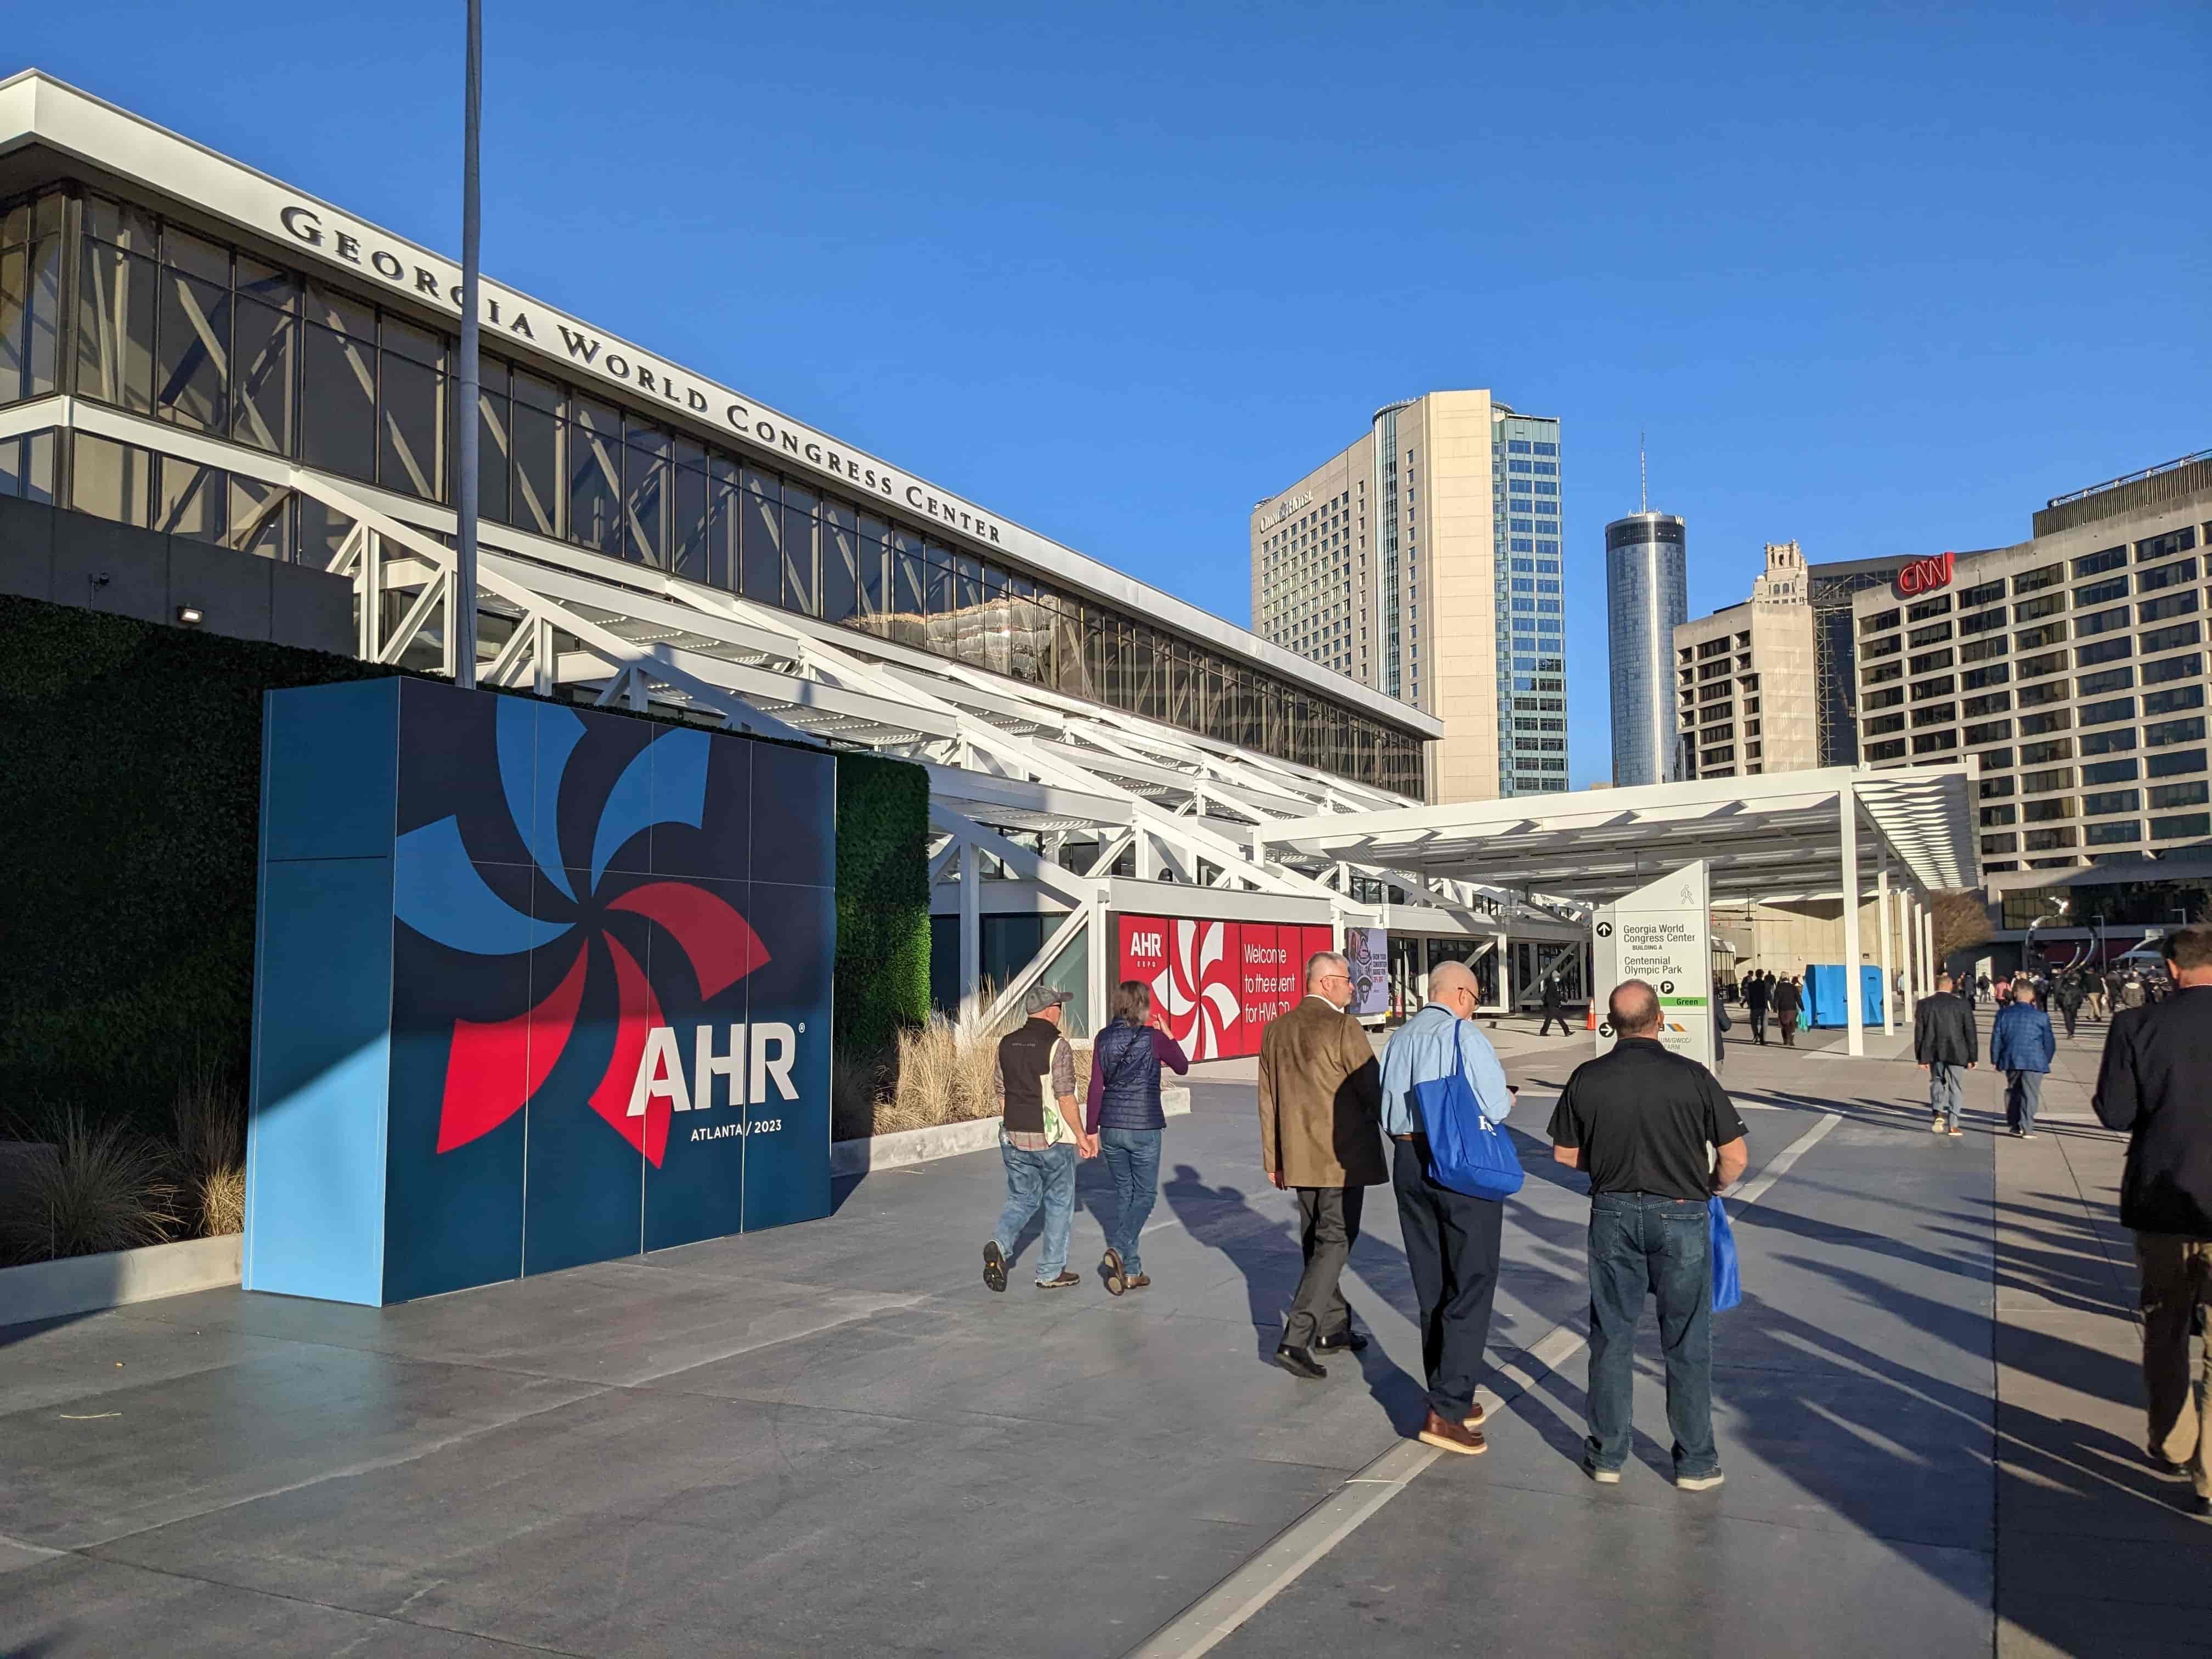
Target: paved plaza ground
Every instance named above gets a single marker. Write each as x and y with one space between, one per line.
833 1438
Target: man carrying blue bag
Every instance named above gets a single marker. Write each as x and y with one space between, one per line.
1451 1169
1638 1119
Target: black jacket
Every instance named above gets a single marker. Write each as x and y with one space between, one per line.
2156 1085
1785 998
1756 994
1943 1029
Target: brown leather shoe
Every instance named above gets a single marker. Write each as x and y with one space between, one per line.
1448 1436
1474 1419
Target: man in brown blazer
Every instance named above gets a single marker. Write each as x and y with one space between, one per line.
1320 1095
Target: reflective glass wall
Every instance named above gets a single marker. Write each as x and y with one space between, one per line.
1647 597
171 325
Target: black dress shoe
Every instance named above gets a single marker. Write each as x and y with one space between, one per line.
1300 1363
1345 1342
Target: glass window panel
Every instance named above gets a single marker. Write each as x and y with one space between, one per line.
645 499
193 360
760 557
192 500
109 479
115 327
267 284
840 563
339 405
687 520
262 343
594 475
259 520
875 597
37 483
968 603
766 485
46 213
537 393
417 345
909 602
535 504
42 353
335 310
14 309
205 260
801 592
410 418
323 530
723 510
125 226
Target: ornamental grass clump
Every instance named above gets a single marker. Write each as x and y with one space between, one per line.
105 1188
210 1118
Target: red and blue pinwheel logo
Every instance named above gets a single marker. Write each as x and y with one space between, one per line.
495 1068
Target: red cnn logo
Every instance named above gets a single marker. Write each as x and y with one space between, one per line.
1925 575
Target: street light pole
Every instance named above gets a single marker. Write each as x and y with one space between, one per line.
462 618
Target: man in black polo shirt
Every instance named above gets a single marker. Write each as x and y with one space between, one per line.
1639 1120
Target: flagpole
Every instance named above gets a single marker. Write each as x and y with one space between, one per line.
463 618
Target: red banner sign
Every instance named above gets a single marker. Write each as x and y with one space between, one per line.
1925 576
1216 984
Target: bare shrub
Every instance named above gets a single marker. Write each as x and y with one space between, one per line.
209 1116
106 1188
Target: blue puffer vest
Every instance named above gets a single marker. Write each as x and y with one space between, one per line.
1131 1097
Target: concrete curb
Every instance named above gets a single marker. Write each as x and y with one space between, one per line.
86 1284
892 1151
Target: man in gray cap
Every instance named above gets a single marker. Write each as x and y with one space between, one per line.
1041 1137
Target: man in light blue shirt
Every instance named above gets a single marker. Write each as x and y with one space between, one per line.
1451 1238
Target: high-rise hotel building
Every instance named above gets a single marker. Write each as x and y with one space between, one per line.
1423 562
2071 666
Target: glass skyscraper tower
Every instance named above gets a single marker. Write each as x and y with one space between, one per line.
1532 663
1647 597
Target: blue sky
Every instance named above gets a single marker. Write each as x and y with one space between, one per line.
1876 278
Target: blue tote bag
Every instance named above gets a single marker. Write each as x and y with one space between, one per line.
1466 1152
1727 1288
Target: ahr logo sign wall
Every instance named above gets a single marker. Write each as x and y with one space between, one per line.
538 987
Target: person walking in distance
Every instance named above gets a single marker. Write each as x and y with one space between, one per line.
1123 1112
1320 1092
1944 1042
2155 1086
1555 1006
1639 1121
1041 1137
2093 991
2021 1046
1451 1237
1788 1003
2068 994
1757 995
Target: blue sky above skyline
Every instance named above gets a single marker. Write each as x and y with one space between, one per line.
1879 281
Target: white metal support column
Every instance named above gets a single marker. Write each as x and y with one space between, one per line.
1847 815
971 930
1881 911
1924 942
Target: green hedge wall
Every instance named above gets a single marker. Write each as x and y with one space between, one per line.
129 785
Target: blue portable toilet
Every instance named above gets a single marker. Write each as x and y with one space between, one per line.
1824 995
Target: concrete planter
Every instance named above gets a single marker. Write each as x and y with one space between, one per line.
944 1140
84 1284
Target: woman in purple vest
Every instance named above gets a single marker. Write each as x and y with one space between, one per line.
1124 1114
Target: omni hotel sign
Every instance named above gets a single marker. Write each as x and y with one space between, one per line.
346 241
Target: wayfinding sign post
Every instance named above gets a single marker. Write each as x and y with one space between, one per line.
1660 933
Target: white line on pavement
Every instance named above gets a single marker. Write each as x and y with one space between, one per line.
1218 1614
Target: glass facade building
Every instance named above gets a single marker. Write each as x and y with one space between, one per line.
110 301
1647 598
1531 607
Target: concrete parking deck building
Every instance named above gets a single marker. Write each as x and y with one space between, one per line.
833 1438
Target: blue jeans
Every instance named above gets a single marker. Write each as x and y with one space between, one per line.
1639 1243
1947 1091
2023 1097
1131 1156
1045 1179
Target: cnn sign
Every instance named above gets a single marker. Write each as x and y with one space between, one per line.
1925 576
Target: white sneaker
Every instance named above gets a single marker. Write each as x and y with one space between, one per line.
1698 1482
